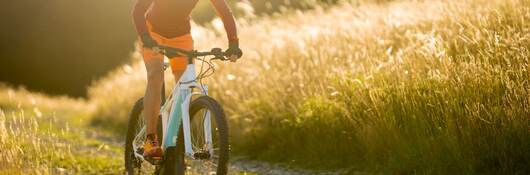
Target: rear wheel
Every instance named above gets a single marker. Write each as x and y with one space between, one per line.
134 142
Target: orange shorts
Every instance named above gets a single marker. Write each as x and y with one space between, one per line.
182 42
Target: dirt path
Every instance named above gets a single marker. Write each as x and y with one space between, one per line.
243 166
238 165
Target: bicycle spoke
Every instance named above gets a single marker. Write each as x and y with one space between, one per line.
140 135
199 128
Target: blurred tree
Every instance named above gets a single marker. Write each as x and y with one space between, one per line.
60 46
204 13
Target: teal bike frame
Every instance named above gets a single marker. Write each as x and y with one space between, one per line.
176 111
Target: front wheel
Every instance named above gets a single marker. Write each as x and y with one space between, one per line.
209 138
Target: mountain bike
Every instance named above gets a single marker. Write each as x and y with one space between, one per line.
193 125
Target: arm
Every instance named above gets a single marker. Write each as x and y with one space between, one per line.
224 12
138 14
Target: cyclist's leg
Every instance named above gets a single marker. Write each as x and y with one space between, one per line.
154 65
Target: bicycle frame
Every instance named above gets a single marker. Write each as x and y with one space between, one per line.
176 109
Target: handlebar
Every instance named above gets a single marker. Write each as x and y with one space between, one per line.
173 52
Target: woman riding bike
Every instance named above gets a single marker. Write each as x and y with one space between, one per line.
167 23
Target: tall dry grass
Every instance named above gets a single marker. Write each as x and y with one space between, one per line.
46 135
431 87
25 149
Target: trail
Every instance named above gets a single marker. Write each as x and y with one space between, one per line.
102 144
238 165
242 166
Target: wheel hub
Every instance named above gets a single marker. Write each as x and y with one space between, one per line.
201 155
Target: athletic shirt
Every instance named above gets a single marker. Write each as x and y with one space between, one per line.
171 18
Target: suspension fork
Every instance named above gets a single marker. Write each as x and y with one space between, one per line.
207 125
186 123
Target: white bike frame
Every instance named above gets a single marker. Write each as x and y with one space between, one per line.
176 109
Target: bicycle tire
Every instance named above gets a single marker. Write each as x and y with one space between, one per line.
131 133
216 111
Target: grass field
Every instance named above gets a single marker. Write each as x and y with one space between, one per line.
44 135
404 87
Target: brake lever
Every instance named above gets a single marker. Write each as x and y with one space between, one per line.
218 52
219 58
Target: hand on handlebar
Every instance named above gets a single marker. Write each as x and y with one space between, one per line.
233 52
